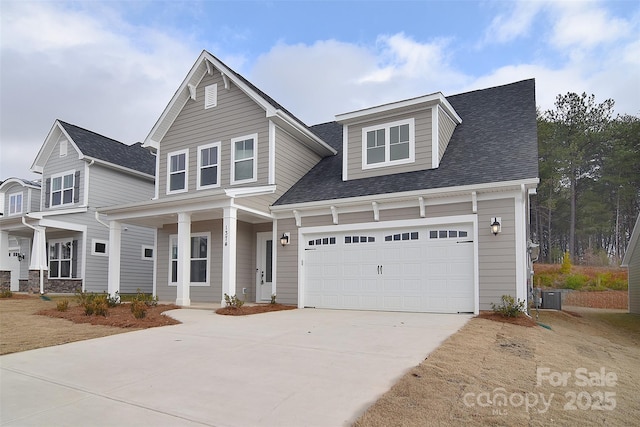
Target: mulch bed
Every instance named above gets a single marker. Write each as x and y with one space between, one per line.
119 316
254 309
521 320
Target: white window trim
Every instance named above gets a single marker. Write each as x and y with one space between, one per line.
61 241
73 185
387 146
186 171
153 253
210 96
255 159
173 237
199 186
93 247
15 196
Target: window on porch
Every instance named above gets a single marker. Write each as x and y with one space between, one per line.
199 260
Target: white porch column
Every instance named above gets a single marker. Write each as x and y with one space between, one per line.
184 259
229 231
4 250
115 240
39 253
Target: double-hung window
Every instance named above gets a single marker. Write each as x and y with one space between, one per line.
244 159
199 259
177 171
60 259
388 144
62 189
15 203
209 166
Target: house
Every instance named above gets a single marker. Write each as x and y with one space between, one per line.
632 262
416 205
55 239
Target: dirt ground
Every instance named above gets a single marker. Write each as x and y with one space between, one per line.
585 370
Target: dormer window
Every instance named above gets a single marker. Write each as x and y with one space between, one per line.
388 144
15 203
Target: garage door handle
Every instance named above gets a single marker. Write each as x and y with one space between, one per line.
466 241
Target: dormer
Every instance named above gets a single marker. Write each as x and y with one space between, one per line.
403 136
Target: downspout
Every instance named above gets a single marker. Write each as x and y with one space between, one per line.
40 266
99 220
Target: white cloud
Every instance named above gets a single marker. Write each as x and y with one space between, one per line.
515 23
585 25
92 70
318 81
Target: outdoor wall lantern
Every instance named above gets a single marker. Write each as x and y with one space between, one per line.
284 240
496 227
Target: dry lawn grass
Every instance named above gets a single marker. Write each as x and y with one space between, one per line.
486 358
28 322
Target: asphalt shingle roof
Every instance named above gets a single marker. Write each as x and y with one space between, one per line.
496 141
109 150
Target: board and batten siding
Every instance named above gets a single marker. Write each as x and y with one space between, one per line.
422 146
446 126
497 254
108 187
235 115
634 280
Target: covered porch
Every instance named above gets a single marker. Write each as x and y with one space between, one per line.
205 247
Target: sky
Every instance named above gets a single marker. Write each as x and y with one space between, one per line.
113 66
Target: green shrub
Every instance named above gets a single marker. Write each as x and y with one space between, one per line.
273 299
233 302
148 299
139 309
508 307
544 280
93 303
62 305
566 263
575 281
6 293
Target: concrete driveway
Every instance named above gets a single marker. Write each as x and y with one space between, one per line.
290 368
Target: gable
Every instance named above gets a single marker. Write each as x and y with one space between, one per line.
207 64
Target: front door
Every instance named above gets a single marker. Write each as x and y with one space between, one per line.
264 268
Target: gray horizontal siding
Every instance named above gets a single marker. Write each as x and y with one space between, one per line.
293 161
56 165
135 272
287 265
497 254
236 115
446 126
108 187
422 146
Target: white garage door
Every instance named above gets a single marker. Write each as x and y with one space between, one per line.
421 269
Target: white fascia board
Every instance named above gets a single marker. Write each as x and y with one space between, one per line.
313 142
47 147
427 193
437 97
253 211
44 214
633 242
62 225
16 181
118 167
250 191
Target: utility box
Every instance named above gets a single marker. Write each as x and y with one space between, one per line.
551 300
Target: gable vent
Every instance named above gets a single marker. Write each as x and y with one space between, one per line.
211 96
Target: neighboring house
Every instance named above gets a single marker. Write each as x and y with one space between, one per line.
632 262
388 208
18 197
63 244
